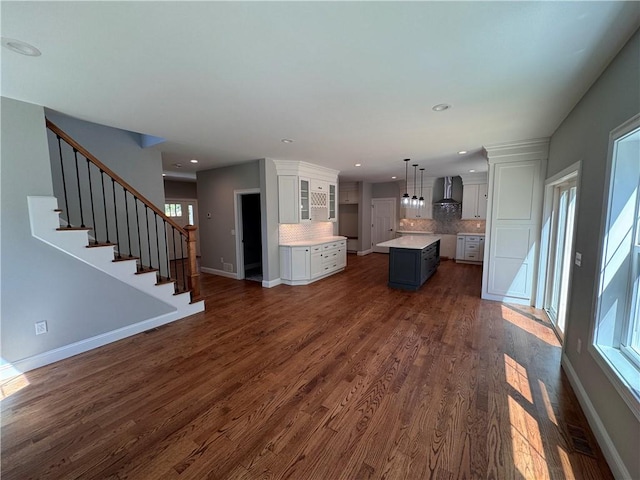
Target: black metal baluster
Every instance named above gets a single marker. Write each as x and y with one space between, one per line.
138 227
93 213
146 214
75 154
115 209
104 204
64 184
126 208
158 245
184 276
175 260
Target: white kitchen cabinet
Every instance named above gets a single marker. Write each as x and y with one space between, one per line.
470 248
301 265
474 202
349 193
426 211
294 199
306 192
333 202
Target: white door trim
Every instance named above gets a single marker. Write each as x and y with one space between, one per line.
572 171
238 214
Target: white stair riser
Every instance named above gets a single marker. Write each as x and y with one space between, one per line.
44 224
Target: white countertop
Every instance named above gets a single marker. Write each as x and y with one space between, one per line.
415 232
314 241
473 234
416 242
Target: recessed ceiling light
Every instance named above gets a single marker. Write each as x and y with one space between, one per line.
286 140
462 152
393 178
20 47
177 165
193 160
471 171
358 164
441 107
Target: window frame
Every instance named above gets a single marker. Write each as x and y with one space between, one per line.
621 366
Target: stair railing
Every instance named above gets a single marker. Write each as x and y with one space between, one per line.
98 199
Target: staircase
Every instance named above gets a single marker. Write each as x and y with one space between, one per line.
45 226
108 224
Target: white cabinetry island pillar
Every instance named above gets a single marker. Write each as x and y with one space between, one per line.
516 181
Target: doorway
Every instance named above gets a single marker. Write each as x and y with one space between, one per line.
560 252
383 222
561 203
249 235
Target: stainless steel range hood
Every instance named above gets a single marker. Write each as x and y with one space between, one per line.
447 200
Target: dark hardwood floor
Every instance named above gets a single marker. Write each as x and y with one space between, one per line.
341 379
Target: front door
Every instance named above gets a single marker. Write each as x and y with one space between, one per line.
383 222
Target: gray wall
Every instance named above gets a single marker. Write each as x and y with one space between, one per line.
180 190
584 135
40 282
270 227
216 197
364 227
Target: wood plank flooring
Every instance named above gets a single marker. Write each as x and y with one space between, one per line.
341 379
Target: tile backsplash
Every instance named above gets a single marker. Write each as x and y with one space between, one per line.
295 232
442 227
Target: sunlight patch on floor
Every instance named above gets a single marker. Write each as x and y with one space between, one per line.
566 464
516 376
542 332
12 385
528 453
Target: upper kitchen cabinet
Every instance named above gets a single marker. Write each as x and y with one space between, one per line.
349 193
306 192
424 189
474 196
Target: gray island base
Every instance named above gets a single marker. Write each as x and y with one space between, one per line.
412 260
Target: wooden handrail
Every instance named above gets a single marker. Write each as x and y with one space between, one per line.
55 129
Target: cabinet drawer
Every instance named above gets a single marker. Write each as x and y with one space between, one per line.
473 239
316 248
471 256
473 247
328 246
330 256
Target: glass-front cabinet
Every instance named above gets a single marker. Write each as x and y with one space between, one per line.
305 205
333 201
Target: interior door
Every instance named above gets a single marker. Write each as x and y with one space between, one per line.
561 247
383 222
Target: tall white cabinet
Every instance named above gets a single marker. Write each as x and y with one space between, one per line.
474 196
516 181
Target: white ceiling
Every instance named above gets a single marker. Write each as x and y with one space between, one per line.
349 82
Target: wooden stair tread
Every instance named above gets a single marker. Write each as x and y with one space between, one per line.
101 244
146 270
62 229
125 258
164 281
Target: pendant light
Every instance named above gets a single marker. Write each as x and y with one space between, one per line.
405 197
414 199
421 199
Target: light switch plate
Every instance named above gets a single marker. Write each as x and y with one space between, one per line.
578 260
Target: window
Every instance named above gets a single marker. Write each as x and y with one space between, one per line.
617 326
173 209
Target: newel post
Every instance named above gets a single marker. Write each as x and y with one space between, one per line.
193 274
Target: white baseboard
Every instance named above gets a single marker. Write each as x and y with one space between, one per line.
222 273
362 253
505 299
616 464
9 370
271 283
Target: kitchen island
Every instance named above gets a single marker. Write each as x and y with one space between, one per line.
412 260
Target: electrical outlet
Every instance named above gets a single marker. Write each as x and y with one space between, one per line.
579 346
578 260
41 327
